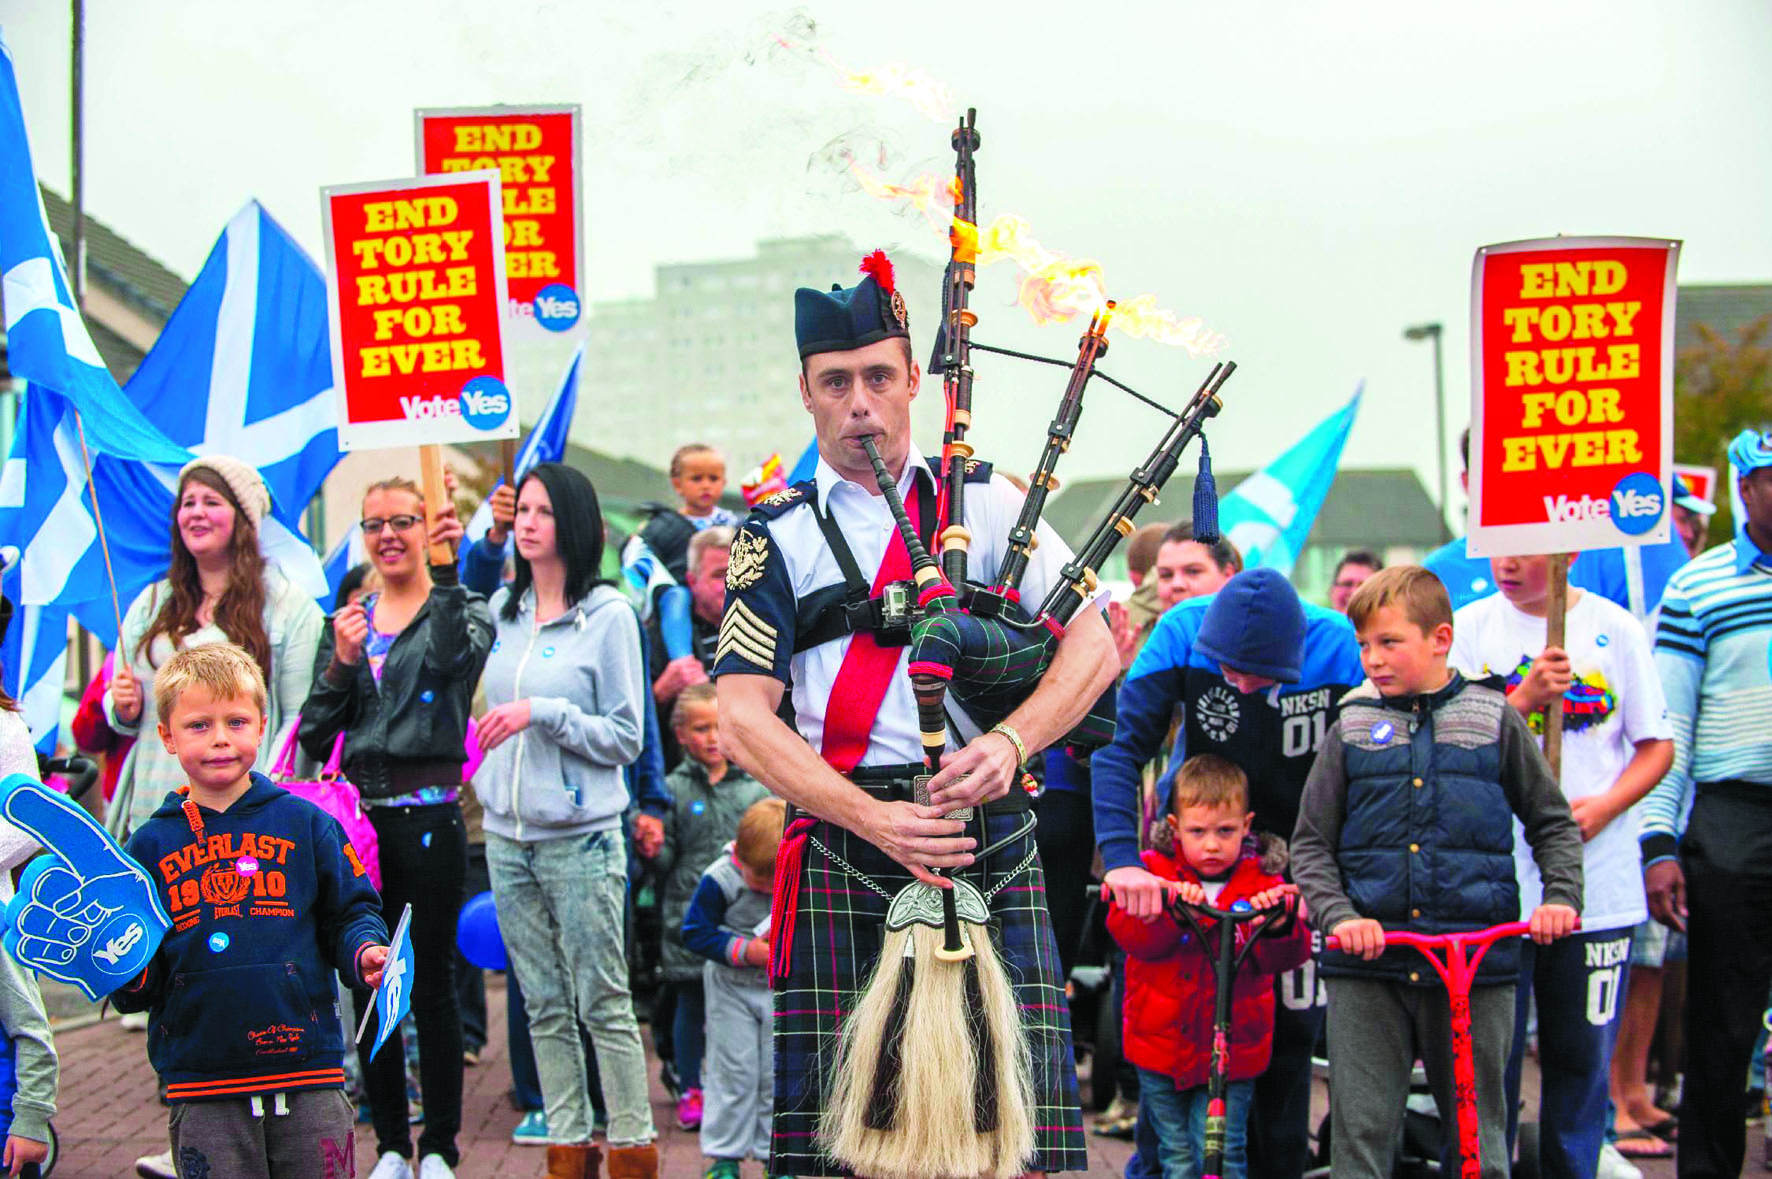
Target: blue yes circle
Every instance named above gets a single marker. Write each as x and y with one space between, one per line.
218 942
1383 731
1637 503
485 403
556 307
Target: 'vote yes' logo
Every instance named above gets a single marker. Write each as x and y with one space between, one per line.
485 403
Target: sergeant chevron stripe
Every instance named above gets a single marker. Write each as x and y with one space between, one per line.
744 634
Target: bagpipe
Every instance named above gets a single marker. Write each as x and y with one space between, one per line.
937 1031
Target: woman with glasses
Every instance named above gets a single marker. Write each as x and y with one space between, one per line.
397 672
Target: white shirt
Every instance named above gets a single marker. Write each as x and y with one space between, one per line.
861 514
1615 702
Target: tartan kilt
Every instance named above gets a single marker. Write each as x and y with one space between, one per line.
838 928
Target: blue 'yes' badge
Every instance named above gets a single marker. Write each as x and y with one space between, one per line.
1383 731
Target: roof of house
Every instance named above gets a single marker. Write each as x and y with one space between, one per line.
1723 308
129 271
1364 508
126 272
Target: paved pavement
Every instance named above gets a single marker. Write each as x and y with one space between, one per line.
110 1114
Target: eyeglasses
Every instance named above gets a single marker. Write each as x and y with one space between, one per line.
374 524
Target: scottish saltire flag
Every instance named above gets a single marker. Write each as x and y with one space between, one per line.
393 999
347 554
244 366
1269 514
47 341
34 655
546 443
806 466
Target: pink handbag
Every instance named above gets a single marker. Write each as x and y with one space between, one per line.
334 795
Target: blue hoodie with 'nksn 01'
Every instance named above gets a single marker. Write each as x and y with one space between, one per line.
1255 625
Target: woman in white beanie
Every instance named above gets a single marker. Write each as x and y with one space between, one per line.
218 590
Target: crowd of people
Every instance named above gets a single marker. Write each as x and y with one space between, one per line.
691 790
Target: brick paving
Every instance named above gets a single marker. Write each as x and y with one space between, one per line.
110 1114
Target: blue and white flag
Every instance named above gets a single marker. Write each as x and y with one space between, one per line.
346 555
806 466
1269 514
393 999
244 366
546 444
47 341
35 655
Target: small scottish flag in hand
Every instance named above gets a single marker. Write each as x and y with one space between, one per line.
393 999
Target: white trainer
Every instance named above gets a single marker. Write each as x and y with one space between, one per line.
432 1166
391 1166
1615 1166
156 1166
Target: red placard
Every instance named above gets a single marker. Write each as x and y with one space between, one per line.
1571 394
415 286
1700 481
535 151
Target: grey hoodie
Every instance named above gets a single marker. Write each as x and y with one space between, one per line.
584 679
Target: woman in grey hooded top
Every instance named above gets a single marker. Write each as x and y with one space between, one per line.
565 685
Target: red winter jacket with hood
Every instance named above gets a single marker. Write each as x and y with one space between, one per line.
1171 987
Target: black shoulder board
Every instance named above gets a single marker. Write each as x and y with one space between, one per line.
771 506
977 471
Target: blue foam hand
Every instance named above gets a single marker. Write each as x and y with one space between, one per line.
87 914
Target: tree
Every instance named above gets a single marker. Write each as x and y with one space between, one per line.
1721 388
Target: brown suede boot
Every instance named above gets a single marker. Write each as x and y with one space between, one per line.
633 1162
574 1162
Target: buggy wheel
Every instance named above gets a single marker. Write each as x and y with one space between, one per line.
1104 1056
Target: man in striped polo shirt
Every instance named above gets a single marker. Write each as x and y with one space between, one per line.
1714 880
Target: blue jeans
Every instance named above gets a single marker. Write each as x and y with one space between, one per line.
1178 1118
689 1032
561 908
1579 984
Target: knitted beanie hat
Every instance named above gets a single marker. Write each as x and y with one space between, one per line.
247 485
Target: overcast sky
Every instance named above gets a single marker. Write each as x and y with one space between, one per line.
1307 178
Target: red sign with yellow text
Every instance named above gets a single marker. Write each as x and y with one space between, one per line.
535 152
416 291
1571 394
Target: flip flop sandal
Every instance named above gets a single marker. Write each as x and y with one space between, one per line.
1668 1128
1640 1144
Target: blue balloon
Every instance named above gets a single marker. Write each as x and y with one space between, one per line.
476 932
87 914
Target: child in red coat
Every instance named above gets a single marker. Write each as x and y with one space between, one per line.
1170 987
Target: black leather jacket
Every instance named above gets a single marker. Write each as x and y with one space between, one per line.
409 730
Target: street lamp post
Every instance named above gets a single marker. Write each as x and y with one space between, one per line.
1433 331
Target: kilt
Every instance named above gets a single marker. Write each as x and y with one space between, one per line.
838 929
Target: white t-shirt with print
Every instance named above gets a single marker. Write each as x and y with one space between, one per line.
1615 702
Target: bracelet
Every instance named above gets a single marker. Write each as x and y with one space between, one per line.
1021 750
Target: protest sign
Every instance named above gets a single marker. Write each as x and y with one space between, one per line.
1571 394
416 291
534 149
1700 481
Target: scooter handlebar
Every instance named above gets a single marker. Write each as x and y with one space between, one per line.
1434 941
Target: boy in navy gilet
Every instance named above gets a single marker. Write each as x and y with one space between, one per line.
269 903
1407 823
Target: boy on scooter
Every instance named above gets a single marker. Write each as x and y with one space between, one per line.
1170 985
1407 823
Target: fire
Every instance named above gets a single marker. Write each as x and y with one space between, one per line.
927 194
929 96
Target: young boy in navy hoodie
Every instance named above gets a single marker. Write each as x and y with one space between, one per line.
268 900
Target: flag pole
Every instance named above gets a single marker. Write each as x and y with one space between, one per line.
77 277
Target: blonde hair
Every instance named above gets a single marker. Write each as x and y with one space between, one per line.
1416 592
1208 780
693 448
759 835
693 694
221 669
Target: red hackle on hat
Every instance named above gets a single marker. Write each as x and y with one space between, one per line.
880 266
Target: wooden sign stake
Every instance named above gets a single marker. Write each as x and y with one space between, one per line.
430 465
1553 637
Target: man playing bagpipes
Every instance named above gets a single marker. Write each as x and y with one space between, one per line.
950 1055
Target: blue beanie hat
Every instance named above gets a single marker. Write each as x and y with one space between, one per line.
843 320
1255 625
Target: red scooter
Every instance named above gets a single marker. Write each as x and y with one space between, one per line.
1458 969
